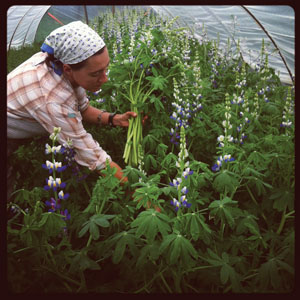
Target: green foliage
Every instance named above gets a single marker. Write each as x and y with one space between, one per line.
149 223
238 234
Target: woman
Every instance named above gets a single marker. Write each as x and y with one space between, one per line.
49 90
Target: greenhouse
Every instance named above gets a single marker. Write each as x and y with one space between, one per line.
195 190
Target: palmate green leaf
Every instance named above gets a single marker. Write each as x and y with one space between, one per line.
247 219
268 274
224 273
52 223
178 249
149 223
157 82
150 160
93 223
225 180
214 259
282 197
149 251
133 174
224 210
82 262
124 239
166 242
101 220
150 192
259 160
197 227
259 184
194 229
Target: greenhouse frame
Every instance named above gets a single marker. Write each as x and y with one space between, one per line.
151 150
251 25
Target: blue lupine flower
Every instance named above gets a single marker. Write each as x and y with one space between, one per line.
54 184
226 158
54 166
63 196
176 203
184 202
101 101
66 214
187 172
184 190
54 149
53 204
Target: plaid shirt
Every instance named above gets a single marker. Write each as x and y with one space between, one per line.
39 100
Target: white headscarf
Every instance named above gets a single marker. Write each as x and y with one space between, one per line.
73 43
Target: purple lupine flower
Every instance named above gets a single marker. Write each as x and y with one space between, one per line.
176 203
226 158
54 166
63 196
65 214
53 204
54 184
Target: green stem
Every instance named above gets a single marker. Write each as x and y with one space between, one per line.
198 268
87 189
61 275
165 283
149 282
89 241
283 218
254 200
82 283
222 227
50 254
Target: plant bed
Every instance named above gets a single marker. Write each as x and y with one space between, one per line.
216 155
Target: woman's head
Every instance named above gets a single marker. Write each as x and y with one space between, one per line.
77 50
91 73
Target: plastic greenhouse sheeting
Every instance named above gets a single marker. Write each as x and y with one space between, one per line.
247 25
234 22
32 23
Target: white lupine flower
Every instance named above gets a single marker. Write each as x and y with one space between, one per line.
227 115
230 138
221 138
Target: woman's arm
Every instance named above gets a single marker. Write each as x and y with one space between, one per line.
91 114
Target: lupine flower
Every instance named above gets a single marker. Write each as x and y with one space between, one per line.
287 111
176 203
54 184
63 196
54 149
66 214
226 158
184 172
101 101
57 166
53 204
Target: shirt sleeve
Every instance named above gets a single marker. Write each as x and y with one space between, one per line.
83 101
88 151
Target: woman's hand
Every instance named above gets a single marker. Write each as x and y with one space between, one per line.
123 119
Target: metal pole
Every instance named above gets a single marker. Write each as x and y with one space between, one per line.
86 14
274 43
